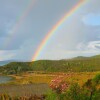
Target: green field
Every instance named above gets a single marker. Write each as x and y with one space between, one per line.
27 78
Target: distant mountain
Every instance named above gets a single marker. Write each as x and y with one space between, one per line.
80 57
5 62
77 58
84 57
78 64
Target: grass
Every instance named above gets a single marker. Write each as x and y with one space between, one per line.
29 78
32 78
26 89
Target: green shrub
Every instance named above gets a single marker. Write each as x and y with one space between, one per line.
75 92
89 91
51 96
96 79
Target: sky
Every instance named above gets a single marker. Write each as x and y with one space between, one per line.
25 23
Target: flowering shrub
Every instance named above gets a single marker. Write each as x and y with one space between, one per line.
59 85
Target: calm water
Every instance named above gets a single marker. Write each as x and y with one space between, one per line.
5 79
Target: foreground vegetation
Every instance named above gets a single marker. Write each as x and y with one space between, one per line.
24 89
64 90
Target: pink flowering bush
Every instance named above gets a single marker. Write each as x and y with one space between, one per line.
59 85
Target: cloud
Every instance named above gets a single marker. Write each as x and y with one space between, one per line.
6 55
90 46
78 35
95 45
24 53
7 44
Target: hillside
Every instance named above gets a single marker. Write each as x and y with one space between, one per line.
76 65
6 62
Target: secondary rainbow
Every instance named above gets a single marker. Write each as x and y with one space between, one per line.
56 27
19 21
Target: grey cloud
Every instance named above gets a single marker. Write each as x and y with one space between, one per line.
37 24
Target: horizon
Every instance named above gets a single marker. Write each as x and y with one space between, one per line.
48 59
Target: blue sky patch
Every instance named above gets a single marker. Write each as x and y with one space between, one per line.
92 19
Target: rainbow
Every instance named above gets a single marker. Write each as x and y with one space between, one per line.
19 21
56 27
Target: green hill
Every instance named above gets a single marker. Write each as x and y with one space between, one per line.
96 56
79 64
